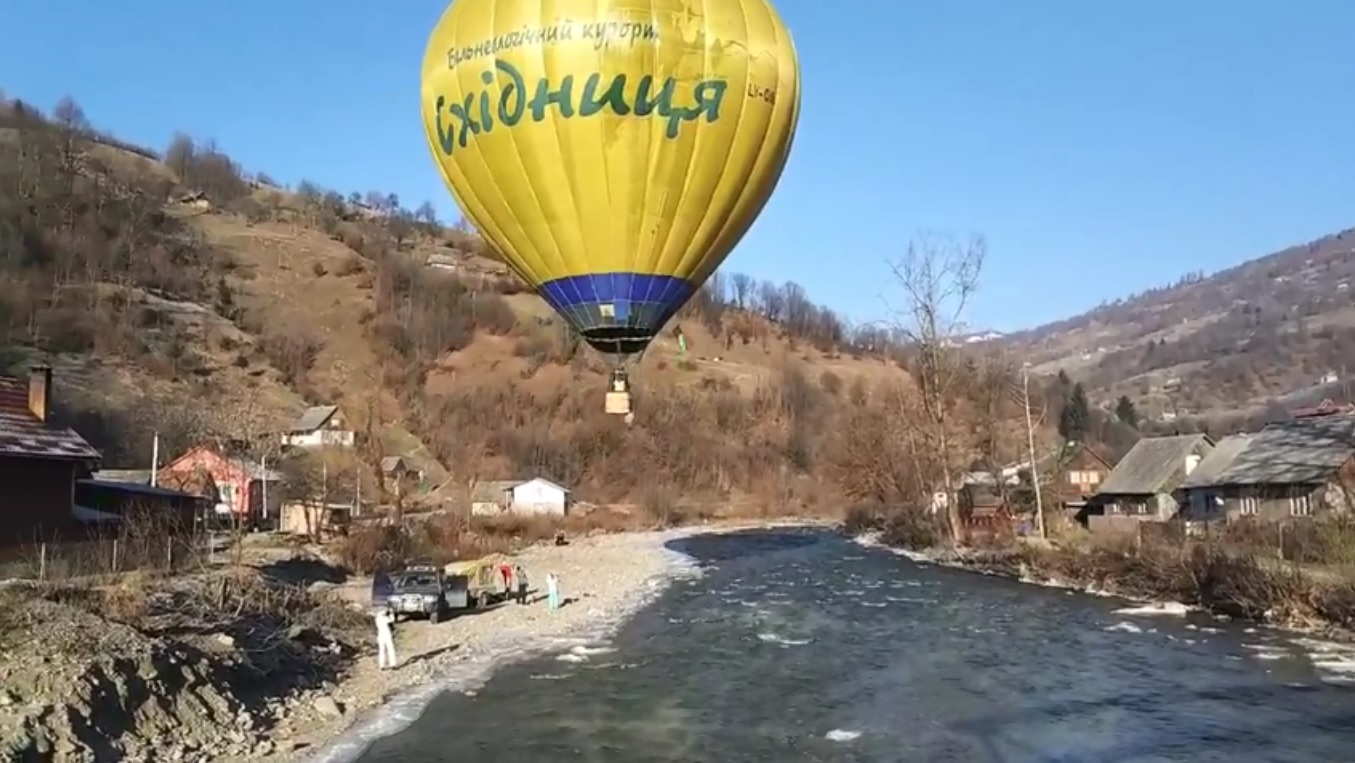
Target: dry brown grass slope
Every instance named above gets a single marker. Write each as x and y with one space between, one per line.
182 296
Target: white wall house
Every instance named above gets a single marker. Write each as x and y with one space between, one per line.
492 498
320 426
539 496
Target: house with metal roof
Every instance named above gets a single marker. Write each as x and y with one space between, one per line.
1199 498
318 427
1294 468
1146 483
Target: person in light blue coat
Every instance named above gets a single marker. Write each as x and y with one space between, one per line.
553 590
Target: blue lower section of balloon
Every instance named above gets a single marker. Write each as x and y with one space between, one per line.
636 301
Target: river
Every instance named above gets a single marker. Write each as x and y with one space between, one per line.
798 645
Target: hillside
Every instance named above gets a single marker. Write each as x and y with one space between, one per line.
175 293
1274 332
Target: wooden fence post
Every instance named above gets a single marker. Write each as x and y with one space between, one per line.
42 562
115 556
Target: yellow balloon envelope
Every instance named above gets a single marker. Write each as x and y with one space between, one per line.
614 151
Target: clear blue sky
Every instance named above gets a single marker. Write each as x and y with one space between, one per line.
1102 147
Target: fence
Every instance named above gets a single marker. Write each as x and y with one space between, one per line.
1302 540
1113 525
64 560
1314 541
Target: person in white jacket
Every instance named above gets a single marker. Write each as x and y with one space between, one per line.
385 639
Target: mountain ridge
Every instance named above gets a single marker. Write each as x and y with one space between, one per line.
1237 340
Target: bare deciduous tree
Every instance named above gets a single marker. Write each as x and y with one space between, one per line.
939 275
179 155
742 286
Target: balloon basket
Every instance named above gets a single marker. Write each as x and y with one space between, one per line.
618 396
618 403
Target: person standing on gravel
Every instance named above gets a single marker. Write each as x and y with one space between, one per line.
553 590
520 575
385 639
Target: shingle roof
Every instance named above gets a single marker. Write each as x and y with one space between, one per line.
1218 460
1304 451
23 435
314 418
1148 466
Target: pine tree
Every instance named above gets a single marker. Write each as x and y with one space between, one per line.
1075 417
1126 412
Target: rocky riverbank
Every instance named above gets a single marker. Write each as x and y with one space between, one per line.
605 578
268 663
189 669
1224 582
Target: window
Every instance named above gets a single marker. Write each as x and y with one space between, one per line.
1113 508
1250 506
1199 502
1083 478
1300 504
1141 508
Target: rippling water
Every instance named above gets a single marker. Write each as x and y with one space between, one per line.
801 646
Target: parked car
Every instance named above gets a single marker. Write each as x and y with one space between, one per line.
416 590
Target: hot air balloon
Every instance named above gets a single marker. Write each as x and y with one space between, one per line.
613 153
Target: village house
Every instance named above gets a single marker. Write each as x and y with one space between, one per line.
981 499
539 496
1297 468
39 464
985 491
320 426
534 496
242 491
491 497
1081 472
1199 498
1145 485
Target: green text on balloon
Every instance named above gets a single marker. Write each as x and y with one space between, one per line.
477 112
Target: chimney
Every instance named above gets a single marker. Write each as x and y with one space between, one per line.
40 391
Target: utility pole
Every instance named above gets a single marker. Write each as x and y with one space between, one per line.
263 483
1030 444
155 459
